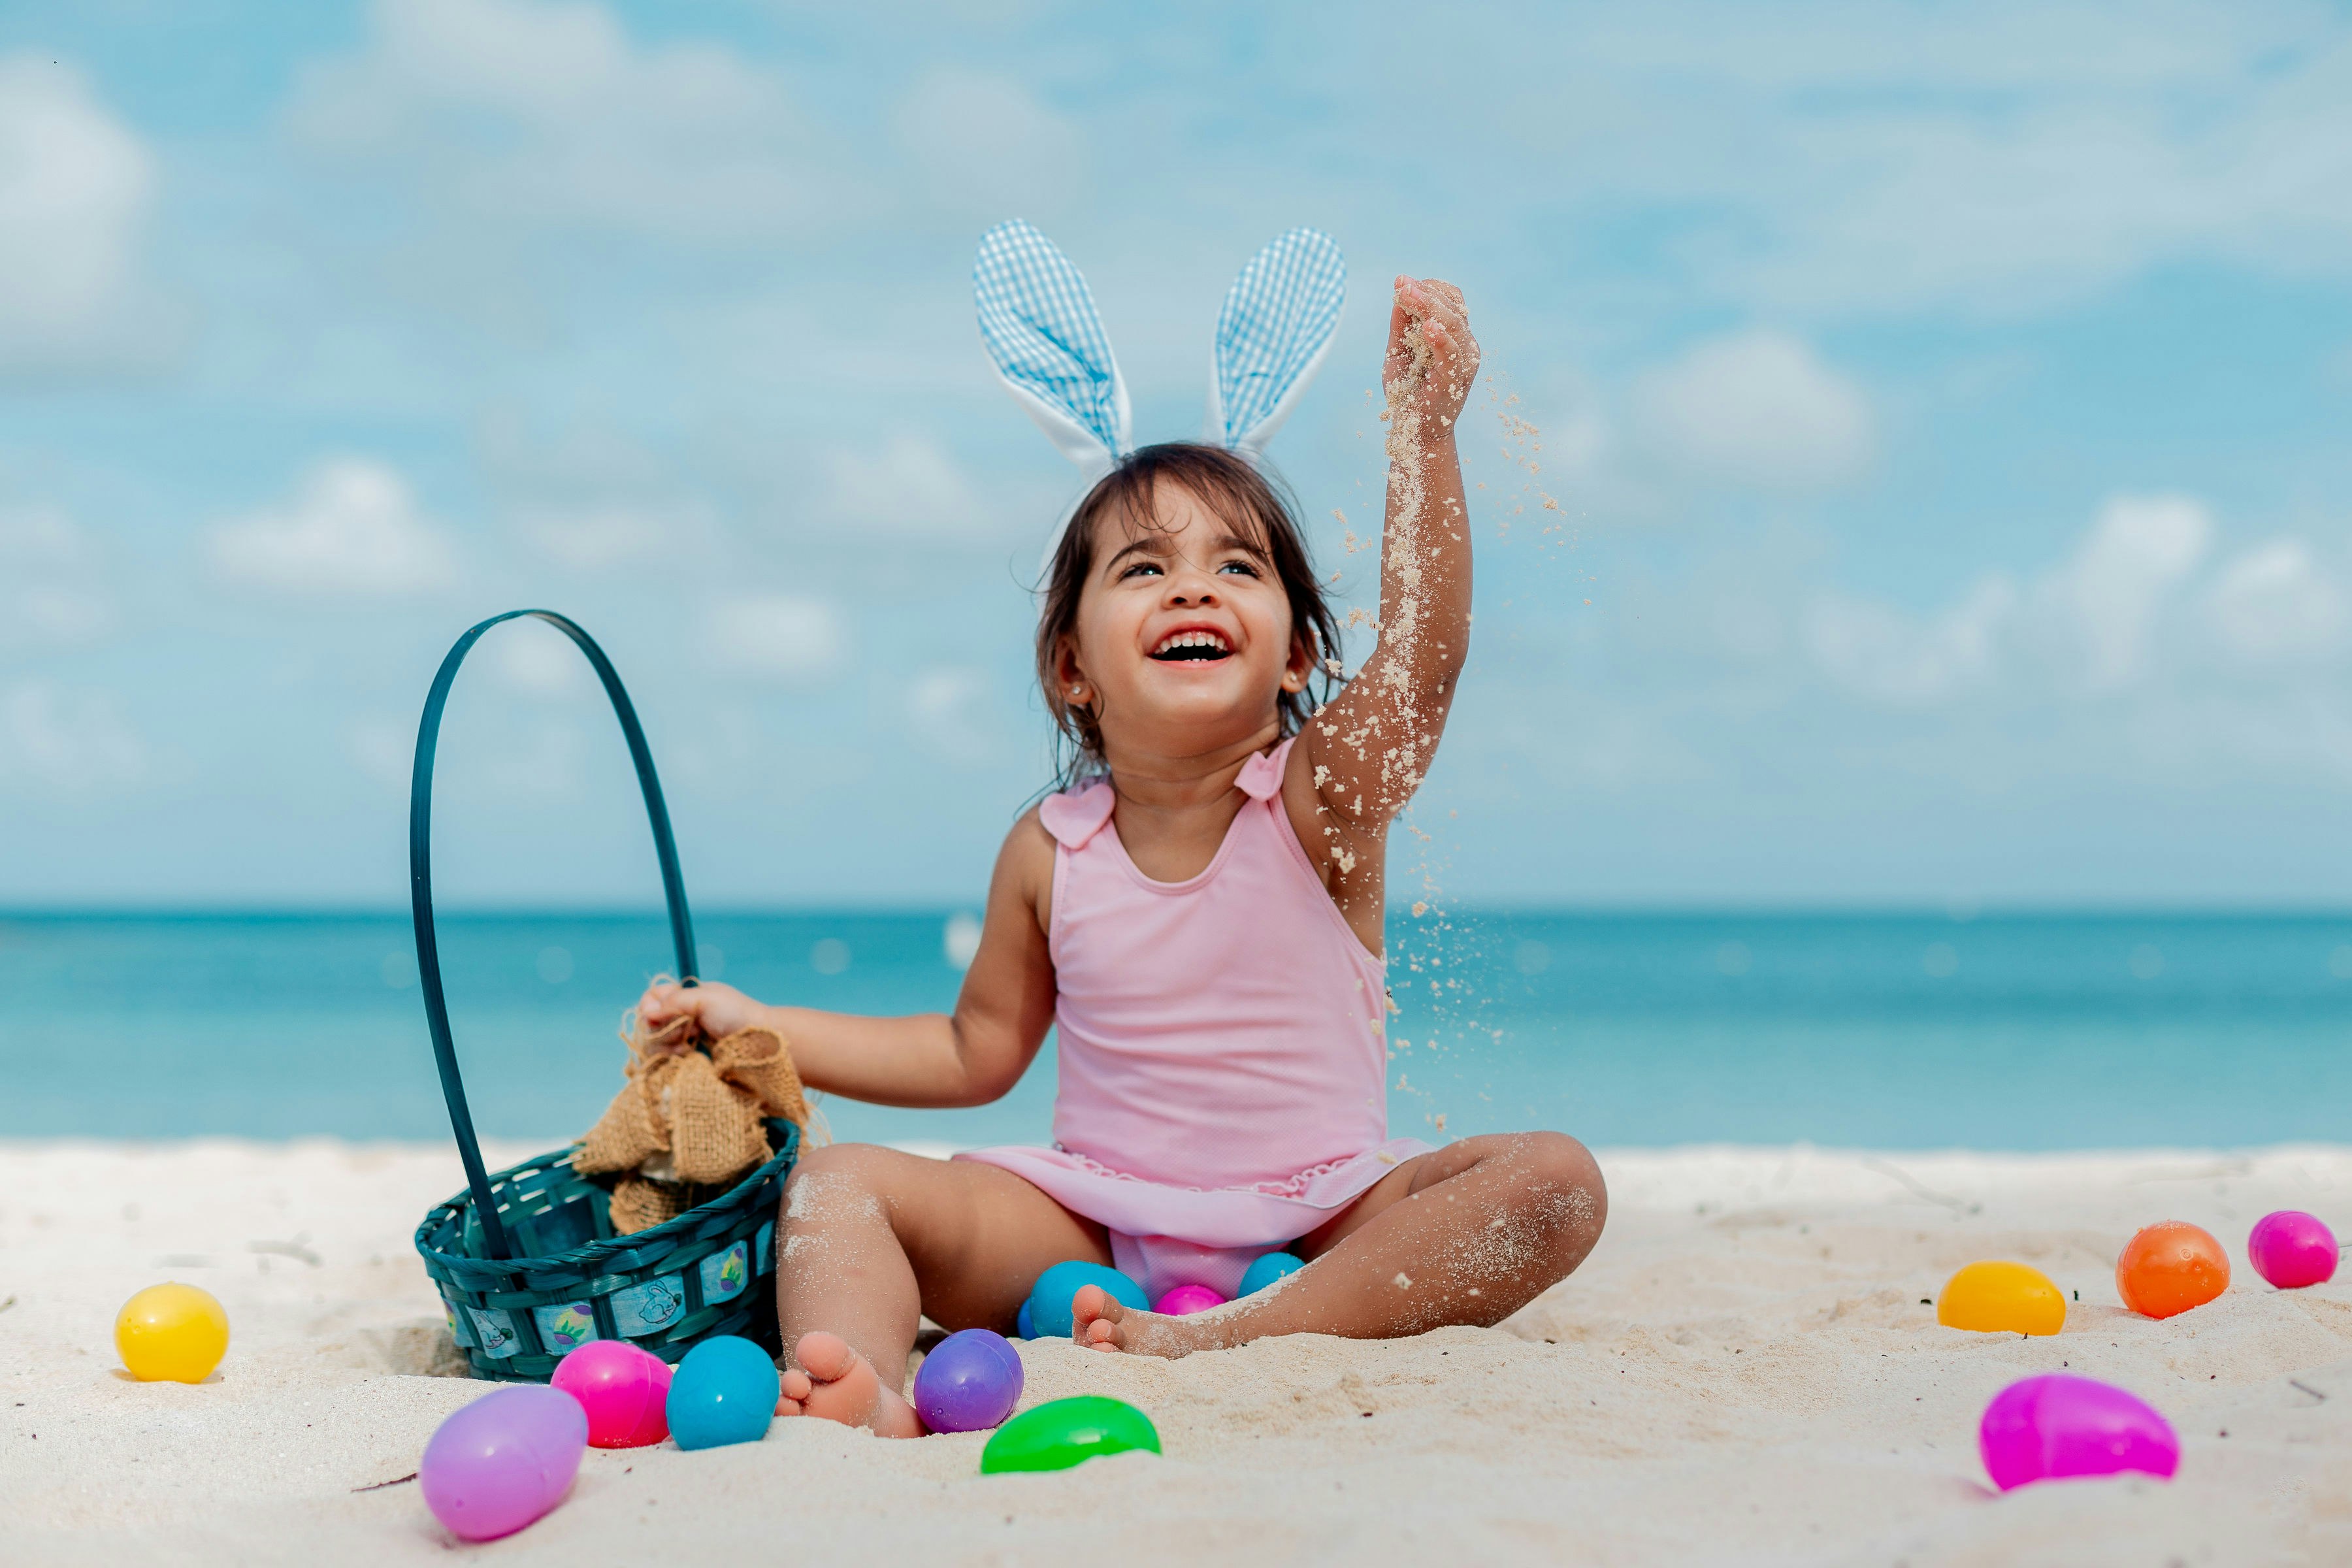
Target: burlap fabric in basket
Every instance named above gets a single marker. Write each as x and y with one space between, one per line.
687 1124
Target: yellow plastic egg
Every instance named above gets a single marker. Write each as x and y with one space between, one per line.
172 1334
2001 1298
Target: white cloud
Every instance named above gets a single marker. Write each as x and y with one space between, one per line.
69 741
950 710
2087 625
988 147
777 637
51 591
2106 600
351 532
77 189
1756 408
911 486
1884 654
2275 604
547 109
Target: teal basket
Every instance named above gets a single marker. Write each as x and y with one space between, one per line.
525 1260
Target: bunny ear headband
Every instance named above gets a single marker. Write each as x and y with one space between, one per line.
1037 319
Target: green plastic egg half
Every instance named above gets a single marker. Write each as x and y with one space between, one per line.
1065 1432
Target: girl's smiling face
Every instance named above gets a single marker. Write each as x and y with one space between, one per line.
1183 641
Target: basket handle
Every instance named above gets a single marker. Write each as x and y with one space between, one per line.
420 884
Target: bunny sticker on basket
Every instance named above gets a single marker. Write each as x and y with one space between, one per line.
688 1125
1038 320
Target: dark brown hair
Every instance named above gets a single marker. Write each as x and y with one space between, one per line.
1253 505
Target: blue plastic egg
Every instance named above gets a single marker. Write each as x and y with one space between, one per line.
1263 1272
1049 1299
1026 1325
724 1391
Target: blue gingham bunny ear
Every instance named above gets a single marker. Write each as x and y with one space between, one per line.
1272 335
1039 322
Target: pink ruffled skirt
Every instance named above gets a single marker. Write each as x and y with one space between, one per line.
1163 1236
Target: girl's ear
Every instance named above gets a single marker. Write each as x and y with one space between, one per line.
1067 673
1301 663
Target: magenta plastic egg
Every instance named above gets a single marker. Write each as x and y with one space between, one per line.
2057 1426
1188 1299
621 1388
2292 1249
500 1462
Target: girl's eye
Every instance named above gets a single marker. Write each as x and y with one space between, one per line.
1139 568
1243 567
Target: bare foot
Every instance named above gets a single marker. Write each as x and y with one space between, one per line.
1100 1323
833 1382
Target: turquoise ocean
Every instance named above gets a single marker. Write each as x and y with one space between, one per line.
1887 1031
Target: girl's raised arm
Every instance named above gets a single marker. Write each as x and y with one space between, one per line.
1363 756
969 1057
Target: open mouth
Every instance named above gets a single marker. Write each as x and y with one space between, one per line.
1189 647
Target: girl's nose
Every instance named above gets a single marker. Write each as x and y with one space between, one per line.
1191 589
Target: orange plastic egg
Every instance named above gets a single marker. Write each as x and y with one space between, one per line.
2001 1298
2169 1268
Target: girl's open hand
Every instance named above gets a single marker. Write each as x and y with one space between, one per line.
719 1010
1436 307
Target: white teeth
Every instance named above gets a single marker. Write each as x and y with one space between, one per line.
1191 639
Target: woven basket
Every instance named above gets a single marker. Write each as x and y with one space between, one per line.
525 1260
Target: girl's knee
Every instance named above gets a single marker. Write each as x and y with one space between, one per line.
821 1177
1562 1183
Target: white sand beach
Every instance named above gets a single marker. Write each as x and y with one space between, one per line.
1746 1372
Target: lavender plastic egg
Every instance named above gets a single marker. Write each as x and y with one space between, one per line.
502 1461
2056 1426
2292 1249
970 1382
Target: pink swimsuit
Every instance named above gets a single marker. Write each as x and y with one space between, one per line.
1223 1045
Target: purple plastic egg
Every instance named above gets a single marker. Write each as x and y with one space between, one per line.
500 1462
2055 1427
1186 1299
2292 1249
970 1382
623 1389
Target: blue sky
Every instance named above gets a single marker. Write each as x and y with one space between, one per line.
1947 408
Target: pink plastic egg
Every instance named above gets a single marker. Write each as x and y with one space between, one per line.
1188 1299
2056 1426
2292 1249
497 1464
623 1390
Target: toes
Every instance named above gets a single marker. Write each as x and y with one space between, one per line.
826 1358
796 1385
788 1405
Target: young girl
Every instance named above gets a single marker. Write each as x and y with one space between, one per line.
1203 921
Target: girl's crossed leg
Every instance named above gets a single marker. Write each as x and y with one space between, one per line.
1466 1234
872 1239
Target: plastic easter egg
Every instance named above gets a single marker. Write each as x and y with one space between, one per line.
502 1461
2001 1298
171 1333
2292 1249
723 1392
1026 1324
970 1382
1264 1270
1186 1299
2055 1427
623 1390
1049 1299
2169 1268
1066 1432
